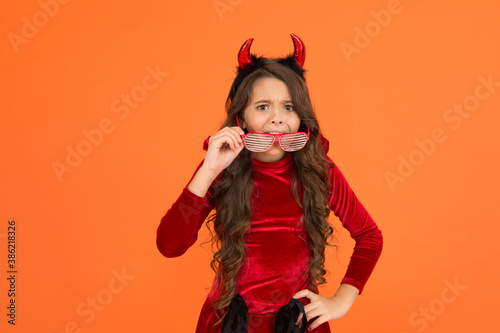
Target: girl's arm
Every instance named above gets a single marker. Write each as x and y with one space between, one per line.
178 229
362 228
367 250
201 181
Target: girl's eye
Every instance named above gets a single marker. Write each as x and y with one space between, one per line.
289 107
262 107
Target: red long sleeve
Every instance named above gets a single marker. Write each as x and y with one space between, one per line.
354 217
178 229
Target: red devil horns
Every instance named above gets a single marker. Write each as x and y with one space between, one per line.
244 58
299 53
299 50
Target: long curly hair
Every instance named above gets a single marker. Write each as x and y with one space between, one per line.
233 191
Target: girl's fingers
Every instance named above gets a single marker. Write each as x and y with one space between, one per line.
304 293
299 320
235 132
227 135
223 147
314 313
232 141
311 309
223 143
317 322
240 131
300 294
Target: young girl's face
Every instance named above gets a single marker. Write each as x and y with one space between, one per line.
270 111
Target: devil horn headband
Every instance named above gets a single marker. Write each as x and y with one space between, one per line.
299 53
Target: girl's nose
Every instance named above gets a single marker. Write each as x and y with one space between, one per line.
276 117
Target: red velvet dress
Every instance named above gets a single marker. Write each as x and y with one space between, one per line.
275 266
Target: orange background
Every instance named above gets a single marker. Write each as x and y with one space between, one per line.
76 231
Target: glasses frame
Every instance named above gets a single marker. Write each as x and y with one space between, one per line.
276 138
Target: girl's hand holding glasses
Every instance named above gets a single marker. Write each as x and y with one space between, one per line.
223 147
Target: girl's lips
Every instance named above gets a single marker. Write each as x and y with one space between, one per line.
275 132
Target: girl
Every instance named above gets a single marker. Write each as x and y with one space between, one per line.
268 176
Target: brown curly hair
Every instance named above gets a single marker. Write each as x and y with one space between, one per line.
231 195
